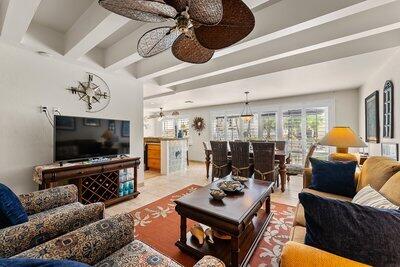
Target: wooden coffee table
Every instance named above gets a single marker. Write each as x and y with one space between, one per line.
238 215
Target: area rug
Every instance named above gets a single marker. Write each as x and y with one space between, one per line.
157 224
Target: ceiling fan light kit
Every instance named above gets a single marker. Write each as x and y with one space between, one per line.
201 26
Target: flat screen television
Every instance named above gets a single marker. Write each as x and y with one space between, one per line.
77 138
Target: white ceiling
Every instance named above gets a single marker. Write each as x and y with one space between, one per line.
341 74
60 15
297 47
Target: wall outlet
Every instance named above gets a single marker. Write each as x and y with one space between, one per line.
56 111
43 109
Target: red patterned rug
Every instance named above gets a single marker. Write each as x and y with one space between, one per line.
157 224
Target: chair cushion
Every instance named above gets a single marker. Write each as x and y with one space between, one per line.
333 177
391 189
299 217
376 171
137 253
294 169
11 210
298 234
40 263
372 198
360 233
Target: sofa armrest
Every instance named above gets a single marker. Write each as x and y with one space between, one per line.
294 253
208 261
307 175
45 226
89 244
39 201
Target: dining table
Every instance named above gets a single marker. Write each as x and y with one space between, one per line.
281 156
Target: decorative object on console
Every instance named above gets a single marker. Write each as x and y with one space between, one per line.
388 110
390 150
372 125
198 124
247 115
342 138
201 26
95 92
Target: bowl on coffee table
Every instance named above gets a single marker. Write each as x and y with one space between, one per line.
229 186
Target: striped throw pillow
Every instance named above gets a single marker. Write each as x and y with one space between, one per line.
372 198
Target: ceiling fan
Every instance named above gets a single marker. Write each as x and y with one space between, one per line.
201 26
158 116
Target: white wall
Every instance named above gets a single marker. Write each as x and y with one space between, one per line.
390 71
28 81
344 112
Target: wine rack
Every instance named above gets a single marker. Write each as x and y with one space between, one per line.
100 188
96 182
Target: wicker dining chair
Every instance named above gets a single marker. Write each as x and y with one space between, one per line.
264 162
297 169
280 145
240 152
221 166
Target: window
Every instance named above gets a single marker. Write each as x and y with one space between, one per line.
317 128
218 127
183 124
299 127
249 129
232 128
168 129
268 126
292 134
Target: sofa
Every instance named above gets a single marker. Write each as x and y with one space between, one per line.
51 213
383 174
108 242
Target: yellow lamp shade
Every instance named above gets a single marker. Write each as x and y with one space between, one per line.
342 137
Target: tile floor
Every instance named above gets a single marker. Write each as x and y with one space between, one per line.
157 187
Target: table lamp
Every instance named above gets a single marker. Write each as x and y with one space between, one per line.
342 138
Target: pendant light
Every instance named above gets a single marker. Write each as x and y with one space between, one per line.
247 115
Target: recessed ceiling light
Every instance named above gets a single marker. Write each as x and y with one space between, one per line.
43 54
189 102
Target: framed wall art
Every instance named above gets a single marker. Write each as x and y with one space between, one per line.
390 150
388 110
372 131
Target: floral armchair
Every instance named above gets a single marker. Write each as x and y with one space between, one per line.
52 213
109 242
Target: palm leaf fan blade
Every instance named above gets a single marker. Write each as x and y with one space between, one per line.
141 10
179 5
238 21
189 50
156 41
206 12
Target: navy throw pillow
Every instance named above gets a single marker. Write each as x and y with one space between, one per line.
364 234
333 177
11 210
40 263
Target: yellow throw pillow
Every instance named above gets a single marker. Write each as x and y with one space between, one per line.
376 171
391 190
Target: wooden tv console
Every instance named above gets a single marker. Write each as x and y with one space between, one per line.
96 182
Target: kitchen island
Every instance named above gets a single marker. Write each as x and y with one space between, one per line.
166 155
